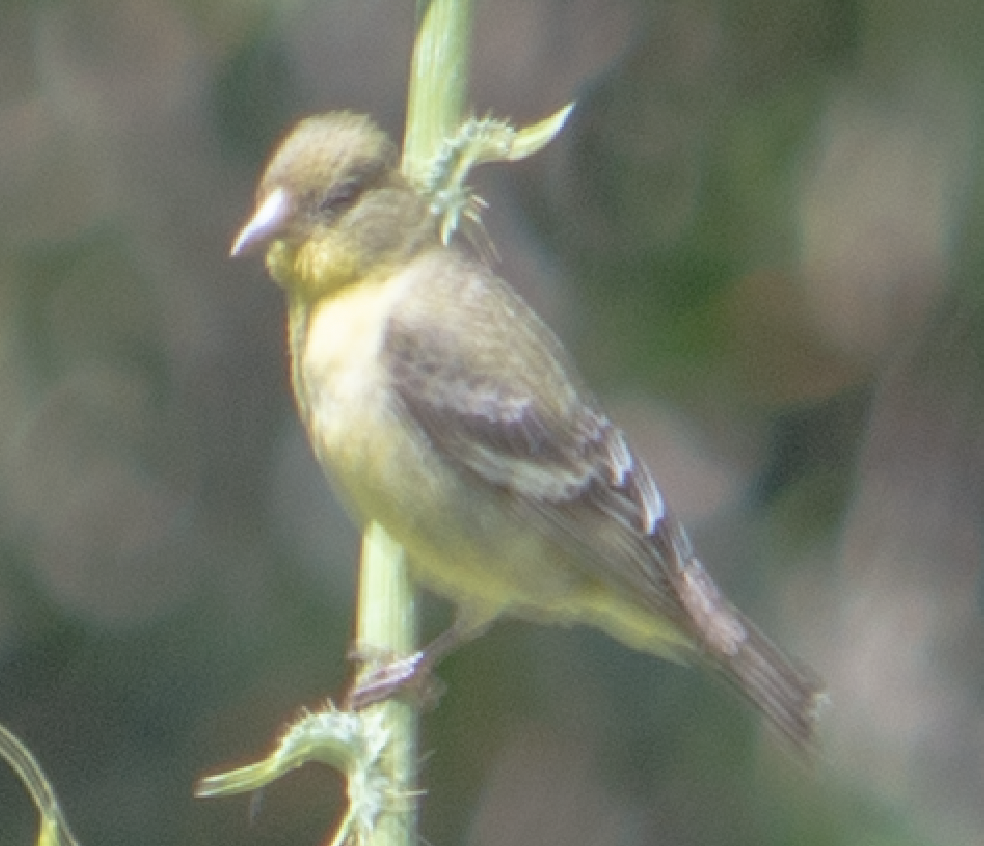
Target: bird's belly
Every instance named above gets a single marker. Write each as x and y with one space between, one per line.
466 540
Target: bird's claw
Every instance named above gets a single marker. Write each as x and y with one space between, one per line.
409 678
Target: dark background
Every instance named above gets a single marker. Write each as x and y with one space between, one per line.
760 236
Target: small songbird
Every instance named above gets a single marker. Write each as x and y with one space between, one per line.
443 408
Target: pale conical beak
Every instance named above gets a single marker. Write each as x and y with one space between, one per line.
269 218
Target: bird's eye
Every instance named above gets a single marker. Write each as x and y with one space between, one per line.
339 197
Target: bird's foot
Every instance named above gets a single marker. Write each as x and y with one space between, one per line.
409 678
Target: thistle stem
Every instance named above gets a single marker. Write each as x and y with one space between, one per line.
386 620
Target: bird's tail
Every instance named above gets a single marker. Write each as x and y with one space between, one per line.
789 696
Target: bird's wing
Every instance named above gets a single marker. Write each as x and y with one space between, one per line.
494 391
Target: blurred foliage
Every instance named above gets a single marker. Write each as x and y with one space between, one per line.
759 234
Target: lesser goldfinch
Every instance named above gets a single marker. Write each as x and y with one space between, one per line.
442 407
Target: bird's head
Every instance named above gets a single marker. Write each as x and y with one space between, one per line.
332 207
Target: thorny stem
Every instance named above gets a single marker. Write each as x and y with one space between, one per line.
386 623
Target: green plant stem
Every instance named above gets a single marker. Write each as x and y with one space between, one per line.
54 826
438 80
386 620
386 626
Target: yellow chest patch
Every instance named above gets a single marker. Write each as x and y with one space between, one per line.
342 385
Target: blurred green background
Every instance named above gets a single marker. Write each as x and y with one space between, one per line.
760 236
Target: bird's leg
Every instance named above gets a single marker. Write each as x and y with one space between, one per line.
412 677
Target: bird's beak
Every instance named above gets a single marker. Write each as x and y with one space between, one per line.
267 221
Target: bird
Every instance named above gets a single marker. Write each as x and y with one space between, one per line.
442 407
